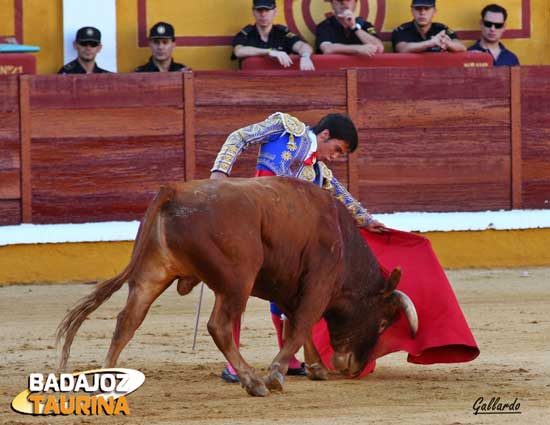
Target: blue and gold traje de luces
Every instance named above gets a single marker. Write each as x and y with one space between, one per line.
285 145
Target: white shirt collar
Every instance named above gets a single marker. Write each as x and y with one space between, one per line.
313 147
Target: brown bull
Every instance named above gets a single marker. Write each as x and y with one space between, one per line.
276 238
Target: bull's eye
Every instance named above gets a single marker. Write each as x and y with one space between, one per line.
383 326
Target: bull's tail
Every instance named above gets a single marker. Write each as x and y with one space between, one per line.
72 321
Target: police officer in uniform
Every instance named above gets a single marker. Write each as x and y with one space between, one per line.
162 42
423 35
265 39
87 45
345 33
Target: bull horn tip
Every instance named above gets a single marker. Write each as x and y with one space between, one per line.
410 311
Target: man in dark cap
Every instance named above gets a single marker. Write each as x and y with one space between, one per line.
162 42
266 39
87 45
345 33
424 35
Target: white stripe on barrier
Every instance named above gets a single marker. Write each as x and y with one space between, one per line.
408 221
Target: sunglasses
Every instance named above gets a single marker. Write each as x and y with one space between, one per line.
497 25
88 43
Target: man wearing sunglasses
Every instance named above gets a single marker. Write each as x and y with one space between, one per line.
87 45
493 25
424 35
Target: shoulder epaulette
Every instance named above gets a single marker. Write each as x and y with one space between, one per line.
247 30
404 26
292 124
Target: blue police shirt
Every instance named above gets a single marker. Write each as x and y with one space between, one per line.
506 57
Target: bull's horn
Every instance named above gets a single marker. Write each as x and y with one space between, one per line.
409 310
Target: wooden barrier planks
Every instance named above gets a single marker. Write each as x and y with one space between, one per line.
10 152
434 147
535 135
25 133
226 101
189 124
515 123
102 148
430 83
93 148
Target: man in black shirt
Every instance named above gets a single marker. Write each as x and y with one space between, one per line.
345 33
265 39
162 42
87 45
423 35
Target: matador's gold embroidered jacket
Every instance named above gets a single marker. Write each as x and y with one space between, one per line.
284 146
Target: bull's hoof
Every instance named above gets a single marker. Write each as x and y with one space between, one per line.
274 381
316 372
255 387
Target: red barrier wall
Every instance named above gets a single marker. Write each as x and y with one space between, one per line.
95 148
17 63
409 60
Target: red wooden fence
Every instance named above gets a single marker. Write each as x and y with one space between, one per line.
10 151
95 148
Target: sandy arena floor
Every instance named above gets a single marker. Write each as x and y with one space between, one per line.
507 310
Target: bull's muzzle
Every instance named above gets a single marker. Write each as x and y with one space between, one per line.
345 363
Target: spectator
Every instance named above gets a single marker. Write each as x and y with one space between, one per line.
493 25
423 35
265 39
345 33
87 45
162 42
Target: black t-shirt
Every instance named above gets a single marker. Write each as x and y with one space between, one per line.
74 67
280 38
408 33
151 67
333 31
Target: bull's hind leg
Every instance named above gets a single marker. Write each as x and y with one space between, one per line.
226 310
142 293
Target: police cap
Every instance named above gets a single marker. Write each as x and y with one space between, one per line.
162 30
263 4
423 3
88 34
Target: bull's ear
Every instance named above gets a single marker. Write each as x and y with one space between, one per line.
392 281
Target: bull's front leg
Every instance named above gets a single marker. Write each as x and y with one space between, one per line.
315 369
220 327
312 303
294 339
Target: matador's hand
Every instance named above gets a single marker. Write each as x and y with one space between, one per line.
218 175
376 227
